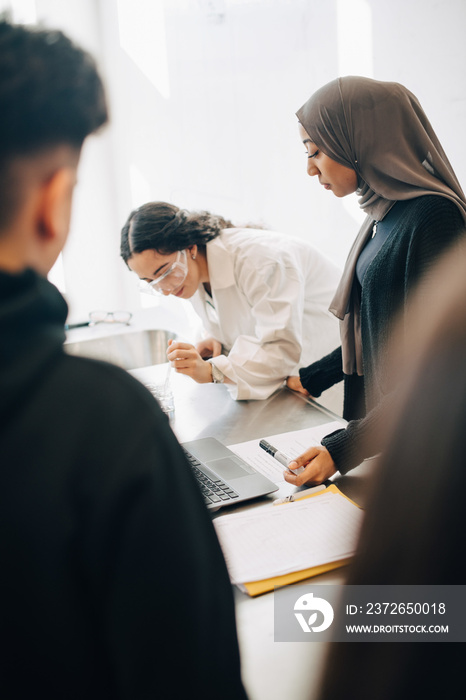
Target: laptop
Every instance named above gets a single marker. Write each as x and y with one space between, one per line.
224 478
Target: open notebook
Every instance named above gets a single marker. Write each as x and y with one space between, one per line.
278 545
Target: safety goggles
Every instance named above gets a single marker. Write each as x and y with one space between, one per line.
171 279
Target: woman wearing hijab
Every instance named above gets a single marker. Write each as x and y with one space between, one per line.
262 297
373 138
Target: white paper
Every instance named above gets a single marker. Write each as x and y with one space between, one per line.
275 540
292 444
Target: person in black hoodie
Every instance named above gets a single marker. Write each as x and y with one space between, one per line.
113 583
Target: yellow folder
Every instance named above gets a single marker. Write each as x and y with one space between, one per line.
255 588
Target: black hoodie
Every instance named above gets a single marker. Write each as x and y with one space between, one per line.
112 580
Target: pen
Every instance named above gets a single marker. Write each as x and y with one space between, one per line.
279 456
299 495
69 326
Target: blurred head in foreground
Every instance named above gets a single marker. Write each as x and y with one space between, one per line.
51 99
414 530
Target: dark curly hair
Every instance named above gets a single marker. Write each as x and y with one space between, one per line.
165 228
50 94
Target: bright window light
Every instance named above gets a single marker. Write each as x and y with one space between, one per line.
57 275
140 188
141 25
354 31
22 11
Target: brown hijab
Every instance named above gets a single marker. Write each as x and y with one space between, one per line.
380 130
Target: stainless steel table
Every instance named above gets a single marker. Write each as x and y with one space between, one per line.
271 670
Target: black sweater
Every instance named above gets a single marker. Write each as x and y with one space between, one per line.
113 583
424 230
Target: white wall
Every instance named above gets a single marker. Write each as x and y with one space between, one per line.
225 138
203 105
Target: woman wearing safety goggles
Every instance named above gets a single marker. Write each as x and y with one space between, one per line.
262 297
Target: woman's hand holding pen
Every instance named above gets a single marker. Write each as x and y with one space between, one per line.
185 359
209 347
318 466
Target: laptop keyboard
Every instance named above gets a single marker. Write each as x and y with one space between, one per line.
213 491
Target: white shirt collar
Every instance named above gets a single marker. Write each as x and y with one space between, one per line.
220 264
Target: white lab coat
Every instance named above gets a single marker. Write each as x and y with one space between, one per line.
269 308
